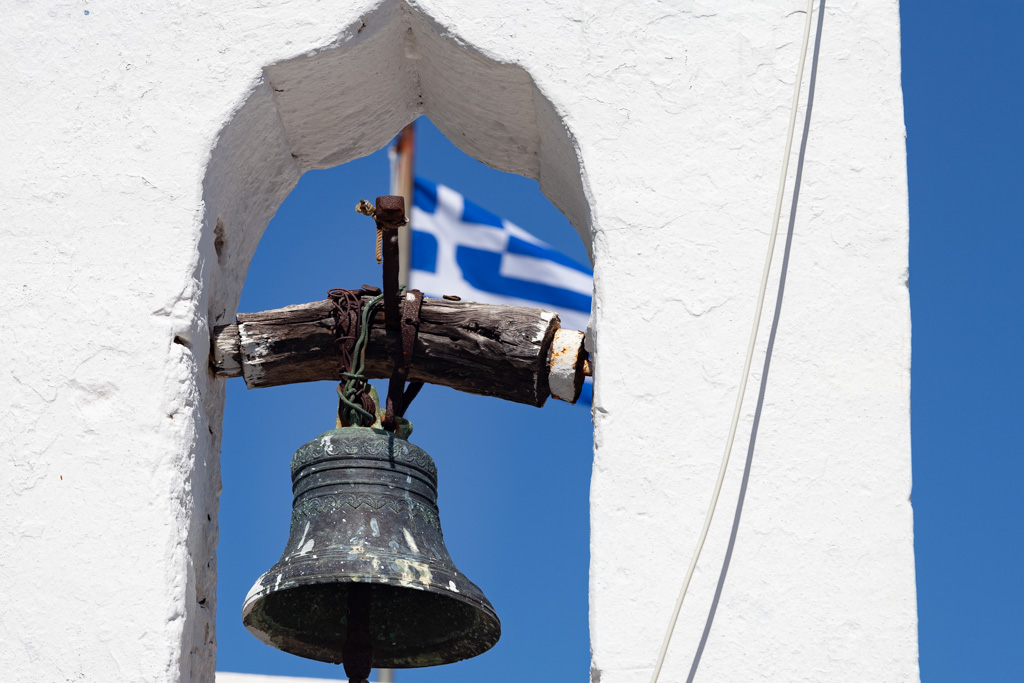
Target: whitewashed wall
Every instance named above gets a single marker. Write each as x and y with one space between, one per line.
146 147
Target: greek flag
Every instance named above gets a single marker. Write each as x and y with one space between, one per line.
460 248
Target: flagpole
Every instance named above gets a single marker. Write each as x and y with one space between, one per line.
402 157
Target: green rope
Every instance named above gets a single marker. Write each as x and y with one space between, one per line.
350 409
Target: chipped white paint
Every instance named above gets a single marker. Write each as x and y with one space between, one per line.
544 323
305 532
374 526
565 352
306 548
137 185
254 591
452 586
412 574
328 445
410 541
253 351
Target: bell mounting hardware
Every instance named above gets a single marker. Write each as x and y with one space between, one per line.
365 579
514 353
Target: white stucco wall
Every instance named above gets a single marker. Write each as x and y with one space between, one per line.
145 149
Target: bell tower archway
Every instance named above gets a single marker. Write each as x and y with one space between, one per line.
151 146
347 99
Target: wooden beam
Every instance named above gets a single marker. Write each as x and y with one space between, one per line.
501 351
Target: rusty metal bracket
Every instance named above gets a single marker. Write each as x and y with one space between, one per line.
390 216
399 397
348 307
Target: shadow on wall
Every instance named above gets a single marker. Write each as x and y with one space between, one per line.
767 357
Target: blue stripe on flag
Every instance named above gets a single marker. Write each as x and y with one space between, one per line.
481 269
424 195
424 252
524 248
471 213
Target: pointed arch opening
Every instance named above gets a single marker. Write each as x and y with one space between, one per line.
349 98
343 102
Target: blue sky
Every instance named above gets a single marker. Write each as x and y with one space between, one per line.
515 519
964 99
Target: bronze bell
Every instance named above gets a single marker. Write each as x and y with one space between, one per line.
365 578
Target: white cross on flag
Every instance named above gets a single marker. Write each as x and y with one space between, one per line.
461 248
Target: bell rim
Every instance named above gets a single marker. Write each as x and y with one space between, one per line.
366 578
482 606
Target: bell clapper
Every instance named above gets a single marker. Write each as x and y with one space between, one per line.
357 652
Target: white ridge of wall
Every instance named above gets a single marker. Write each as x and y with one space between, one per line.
228 677
145 150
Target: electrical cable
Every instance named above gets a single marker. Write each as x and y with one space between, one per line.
750 347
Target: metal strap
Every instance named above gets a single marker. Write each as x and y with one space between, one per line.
399 397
